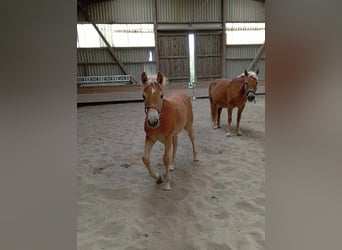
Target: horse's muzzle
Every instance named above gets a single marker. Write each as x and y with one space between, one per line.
250 96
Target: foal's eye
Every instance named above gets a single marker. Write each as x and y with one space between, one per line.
161 97
143 96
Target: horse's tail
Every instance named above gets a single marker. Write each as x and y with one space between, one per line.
209 90
213 108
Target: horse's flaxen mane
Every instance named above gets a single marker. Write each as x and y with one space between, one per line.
251 74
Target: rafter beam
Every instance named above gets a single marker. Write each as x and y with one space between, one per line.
111 51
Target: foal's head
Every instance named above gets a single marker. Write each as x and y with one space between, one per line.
251 82
153 98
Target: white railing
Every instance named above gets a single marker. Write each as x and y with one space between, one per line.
103 80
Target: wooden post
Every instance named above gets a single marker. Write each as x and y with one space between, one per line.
224 38
155 22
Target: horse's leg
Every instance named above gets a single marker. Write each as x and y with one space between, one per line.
174 149
146 159
166 158
219 111
240 109
213 108
215 116
229 127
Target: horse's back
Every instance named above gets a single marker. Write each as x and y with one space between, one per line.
218 91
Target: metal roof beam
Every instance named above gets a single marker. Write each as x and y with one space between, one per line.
111 51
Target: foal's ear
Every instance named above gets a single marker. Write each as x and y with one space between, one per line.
160 77
144 78
246 73
257 72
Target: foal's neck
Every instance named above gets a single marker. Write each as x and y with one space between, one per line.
165 105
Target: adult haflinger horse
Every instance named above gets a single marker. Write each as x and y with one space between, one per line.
229 94
165 118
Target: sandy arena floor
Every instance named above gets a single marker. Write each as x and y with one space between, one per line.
216 203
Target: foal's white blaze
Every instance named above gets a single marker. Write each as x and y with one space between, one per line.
153 90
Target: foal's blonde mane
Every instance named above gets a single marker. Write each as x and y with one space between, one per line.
153 78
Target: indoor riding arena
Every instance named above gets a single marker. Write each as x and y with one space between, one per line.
217 202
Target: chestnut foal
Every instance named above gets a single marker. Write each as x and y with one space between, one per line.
165 118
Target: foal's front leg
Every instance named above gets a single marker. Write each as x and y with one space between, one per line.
146 159
166 158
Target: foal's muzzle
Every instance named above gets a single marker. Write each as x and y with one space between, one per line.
153 116
152 122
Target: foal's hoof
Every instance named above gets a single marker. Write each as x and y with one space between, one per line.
167 186
172 167
239 133
159 180
216 126
228 134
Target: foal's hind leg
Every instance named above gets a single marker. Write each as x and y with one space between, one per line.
146 159
166 159
190 130
174 149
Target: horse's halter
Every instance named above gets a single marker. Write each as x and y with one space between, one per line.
249 90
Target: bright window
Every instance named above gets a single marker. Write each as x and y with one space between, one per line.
245 33
118 35
87 37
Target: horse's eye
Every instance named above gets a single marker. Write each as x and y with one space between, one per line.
161 97
256 83
143 96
